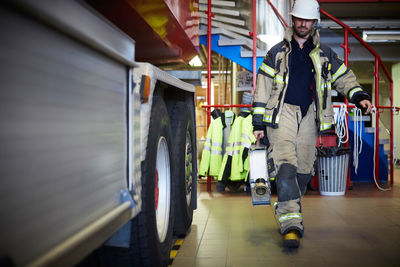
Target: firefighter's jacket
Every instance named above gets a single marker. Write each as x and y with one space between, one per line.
235 164
211 157
273 77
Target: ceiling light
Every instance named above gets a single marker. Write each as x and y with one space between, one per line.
195 62
270 39
381 36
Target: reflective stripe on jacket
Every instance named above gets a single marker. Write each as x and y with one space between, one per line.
273 77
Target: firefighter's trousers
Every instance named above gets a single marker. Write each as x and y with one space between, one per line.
292 147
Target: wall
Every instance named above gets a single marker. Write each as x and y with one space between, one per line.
396 103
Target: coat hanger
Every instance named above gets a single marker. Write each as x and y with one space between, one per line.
229 113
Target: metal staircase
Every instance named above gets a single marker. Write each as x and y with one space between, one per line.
230 34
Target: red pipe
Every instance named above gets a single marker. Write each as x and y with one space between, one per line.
391 134
353 106
357 1
208 60
227 106
346 47
278 14
346 62
209 14
254 44
386 107
248 106
376 75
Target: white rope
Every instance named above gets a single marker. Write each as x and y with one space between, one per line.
357 137
376 183
342 130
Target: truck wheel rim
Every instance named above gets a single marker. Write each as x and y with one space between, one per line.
163 188
188 168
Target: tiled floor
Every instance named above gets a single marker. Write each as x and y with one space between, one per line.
361 228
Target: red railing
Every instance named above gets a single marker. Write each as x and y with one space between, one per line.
209 15
347 30
378 62
278 14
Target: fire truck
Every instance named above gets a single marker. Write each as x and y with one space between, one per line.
98 150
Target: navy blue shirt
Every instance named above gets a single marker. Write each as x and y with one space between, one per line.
301 76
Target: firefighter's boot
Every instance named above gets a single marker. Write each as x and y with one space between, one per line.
288 210
291 239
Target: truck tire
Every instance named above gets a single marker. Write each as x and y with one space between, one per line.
184 159
152 228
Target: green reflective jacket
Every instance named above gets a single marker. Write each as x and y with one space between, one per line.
235 163
211 156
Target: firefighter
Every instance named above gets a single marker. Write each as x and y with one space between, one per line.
292 104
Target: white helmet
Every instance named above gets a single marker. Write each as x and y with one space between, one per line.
306 9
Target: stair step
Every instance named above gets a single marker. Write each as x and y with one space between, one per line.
224 19
249 53
239 30
371 129
222 11
363 118
248 44
219 3
229 42
203 31
383 141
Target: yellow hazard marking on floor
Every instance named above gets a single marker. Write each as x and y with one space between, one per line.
179 242
173 253
174 250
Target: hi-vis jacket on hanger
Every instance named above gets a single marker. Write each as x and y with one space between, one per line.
273 77
233 164
211 157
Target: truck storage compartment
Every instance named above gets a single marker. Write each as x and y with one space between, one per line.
63 115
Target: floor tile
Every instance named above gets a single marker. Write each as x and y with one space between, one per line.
361 228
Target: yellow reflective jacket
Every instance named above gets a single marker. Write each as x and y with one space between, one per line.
211 157
235 165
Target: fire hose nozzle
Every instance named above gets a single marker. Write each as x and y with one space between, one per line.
260 187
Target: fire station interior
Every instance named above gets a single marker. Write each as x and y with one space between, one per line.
106 123
360 227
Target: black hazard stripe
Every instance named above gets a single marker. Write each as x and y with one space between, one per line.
174 250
